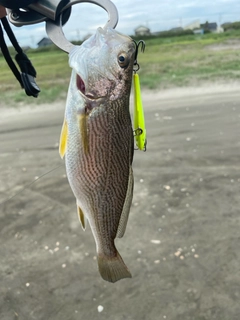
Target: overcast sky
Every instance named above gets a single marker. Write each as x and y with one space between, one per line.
158 15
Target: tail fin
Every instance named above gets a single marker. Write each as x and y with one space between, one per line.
112 269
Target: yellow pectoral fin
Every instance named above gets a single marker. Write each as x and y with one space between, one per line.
83 118
63 139
139 122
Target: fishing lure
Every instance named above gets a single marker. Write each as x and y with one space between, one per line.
138 115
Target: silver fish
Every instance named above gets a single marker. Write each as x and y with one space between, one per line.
97 141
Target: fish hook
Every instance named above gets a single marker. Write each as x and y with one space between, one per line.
138 44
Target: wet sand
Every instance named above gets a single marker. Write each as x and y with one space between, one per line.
182 238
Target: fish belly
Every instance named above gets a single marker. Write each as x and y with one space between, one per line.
99 174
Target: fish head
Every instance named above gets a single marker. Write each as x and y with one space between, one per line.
103 65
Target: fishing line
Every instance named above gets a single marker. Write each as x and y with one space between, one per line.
28 185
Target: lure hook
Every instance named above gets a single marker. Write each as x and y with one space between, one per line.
140 44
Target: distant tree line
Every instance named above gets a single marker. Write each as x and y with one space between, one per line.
232 26
164 34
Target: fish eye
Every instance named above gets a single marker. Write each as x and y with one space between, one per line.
123 60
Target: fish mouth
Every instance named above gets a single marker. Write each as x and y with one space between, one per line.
82 89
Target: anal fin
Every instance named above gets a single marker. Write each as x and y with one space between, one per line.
126 208
81 217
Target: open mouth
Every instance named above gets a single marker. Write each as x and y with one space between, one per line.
82 88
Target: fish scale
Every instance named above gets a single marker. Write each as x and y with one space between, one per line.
98 142
111 197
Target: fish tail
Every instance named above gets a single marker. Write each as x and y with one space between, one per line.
112 269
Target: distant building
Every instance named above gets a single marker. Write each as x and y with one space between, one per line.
198 31
142 31
44 42
220 29
193 25
209 26
212 27
198 28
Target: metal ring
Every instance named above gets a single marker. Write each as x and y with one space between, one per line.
54 28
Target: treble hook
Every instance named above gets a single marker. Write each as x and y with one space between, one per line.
138 44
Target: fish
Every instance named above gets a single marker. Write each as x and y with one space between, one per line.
98 143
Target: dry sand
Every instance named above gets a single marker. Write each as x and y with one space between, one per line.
182 239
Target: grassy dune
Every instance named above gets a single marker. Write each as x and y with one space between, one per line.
189 60
167 62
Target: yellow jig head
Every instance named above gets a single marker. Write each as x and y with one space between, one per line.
138 114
